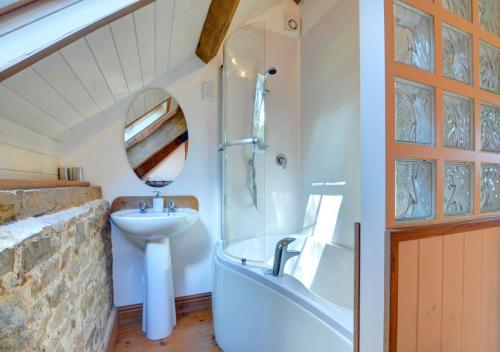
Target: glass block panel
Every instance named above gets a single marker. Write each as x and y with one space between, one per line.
457 189
414 113
456 54
457 121
414 189
490 128
489 67
413 41
489 17
459 7
490 188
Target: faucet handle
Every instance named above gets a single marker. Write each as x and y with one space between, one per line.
142 205
171 204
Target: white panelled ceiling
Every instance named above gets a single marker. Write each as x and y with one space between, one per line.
90 75
67 88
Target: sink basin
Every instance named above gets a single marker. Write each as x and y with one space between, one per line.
158 313
154 226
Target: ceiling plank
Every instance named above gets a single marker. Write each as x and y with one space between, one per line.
219 17
81 60
188 21
28 84
103 50
60 76
124 35
51 48
18 110
144 20
164 21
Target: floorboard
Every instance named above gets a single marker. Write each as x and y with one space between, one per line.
193 333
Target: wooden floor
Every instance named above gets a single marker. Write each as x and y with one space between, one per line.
193 333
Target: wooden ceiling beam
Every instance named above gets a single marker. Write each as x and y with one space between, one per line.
155 159
219 17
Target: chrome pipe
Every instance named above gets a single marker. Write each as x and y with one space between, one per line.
238 142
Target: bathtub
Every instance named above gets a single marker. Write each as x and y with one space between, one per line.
256 312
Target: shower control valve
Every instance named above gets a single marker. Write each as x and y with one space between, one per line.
281 160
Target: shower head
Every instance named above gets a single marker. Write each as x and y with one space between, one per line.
271 71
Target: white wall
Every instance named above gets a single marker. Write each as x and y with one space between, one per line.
274 16
282 124
330 142
25 153
313 10
372 78
98 147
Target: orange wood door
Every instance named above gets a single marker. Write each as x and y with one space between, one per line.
449 293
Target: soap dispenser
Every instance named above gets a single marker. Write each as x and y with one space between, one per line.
158 203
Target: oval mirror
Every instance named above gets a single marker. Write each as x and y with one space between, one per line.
156 137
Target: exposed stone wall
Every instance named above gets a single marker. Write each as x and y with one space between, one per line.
22 204
55 281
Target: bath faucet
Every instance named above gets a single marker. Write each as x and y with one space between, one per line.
281 256
171 206
142 206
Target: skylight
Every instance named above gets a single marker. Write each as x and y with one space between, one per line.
9 5
144 122
44 23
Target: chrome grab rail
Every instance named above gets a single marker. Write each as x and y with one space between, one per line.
224 146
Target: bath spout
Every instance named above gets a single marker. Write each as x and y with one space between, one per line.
282 255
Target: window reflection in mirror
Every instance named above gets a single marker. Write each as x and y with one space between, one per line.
156 137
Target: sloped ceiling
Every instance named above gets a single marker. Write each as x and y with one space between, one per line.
90 75
74 84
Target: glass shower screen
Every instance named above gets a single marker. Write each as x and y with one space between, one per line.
243 143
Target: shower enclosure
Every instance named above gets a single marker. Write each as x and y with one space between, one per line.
260 158
243 149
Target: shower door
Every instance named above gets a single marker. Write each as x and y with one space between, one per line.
243 151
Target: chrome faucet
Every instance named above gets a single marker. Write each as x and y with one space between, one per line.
142 206
281 256
171 206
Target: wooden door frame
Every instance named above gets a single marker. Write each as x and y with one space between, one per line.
395 237
439 226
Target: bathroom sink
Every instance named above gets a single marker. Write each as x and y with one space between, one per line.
154 226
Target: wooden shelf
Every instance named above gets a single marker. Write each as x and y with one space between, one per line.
37 184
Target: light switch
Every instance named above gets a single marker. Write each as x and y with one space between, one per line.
207 92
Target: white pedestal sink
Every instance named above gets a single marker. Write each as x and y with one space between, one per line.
158 318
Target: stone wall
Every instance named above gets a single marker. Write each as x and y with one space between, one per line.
55 281
22 204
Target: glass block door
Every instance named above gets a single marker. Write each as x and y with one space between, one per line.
443 111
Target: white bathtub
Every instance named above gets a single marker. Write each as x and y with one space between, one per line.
256 312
